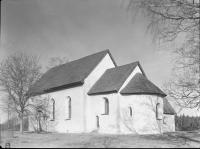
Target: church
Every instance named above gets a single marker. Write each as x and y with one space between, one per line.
93 94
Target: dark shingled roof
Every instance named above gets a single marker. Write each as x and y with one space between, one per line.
139 84
167 107
112 79
69 74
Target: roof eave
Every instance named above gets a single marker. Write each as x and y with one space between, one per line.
169 113
144 93
80 83
100 93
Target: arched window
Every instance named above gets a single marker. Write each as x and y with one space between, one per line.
67 108
106 104
53 109
130 111
158 111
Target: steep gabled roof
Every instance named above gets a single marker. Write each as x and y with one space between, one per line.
139 84
112 79
167 107
69 74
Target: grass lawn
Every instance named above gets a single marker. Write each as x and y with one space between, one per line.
92 140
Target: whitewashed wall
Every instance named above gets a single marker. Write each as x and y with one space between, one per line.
79 104
168 123
118 121
61 124
107 123
143 119
91 104
85 108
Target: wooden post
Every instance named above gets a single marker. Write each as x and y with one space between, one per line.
7 145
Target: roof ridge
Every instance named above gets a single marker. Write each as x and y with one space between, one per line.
123 65
128 74
107 50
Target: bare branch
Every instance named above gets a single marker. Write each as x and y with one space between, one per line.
18 73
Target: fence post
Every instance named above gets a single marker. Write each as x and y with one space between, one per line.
0 134
7 145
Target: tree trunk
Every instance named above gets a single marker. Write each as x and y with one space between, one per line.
40 127
21 123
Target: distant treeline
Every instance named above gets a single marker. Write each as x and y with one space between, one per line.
188 123
14 124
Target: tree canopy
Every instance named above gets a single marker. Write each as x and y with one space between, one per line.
18 73
168 19
56 61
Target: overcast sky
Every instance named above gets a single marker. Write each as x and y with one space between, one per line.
77 28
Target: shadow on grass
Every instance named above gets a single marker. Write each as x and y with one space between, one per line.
183 138
35 132
175 138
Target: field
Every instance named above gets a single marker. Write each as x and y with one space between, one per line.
56 140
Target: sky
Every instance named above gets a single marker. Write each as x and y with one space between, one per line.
77 28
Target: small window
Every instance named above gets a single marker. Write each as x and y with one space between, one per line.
70 109
97 118
106 103
164 120
158 111
53 109
130 111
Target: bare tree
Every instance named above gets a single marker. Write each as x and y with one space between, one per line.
39 108
168 18
128 121
18 73
56 61
39 111
184 86
6 107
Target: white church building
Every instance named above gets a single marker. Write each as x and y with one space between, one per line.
93 94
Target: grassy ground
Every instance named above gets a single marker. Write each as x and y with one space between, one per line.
55 140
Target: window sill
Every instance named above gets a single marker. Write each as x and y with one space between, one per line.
67 119
158 119
52 120
104 114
